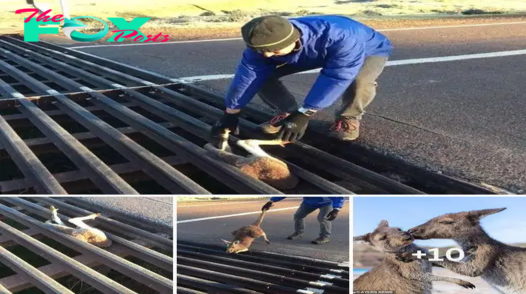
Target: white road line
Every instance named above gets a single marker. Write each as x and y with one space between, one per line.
214 204
232 215
194 79
236 39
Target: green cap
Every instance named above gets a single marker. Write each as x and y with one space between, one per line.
269 33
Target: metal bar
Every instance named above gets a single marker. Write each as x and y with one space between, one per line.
6 241
260 275
14 117
201 130
95 279
220 170
36 277
141 73
148 278
137 250
8 187
209 286
153 239
35 170
99 172
181 290
85 136
327 186
3 290
259 266
172 179
285 264
235 280
56 271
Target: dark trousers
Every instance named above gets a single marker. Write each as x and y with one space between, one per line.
354 100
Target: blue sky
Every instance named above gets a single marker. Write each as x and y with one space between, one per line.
508 226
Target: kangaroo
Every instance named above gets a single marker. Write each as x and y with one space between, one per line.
393 274
244 236
259 164
82 232
501 265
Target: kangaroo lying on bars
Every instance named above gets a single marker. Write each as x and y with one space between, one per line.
244 236
82 232
259 164
392 274
501 265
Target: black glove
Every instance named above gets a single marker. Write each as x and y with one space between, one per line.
293 127
332 215
229 121
267 206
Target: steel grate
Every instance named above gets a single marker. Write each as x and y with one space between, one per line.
121 130
143 256
209 269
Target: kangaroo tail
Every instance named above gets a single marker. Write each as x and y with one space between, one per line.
260 219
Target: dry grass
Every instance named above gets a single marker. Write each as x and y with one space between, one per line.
222 18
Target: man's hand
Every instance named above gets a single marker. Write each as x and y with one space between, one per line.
332 215
229 121
267 206
293 127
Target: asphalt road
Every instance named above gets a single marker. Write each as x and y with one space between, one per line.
151 211
465 118
278 224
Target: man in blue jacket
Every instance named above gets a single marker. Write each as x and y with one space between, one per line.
350 54
329 208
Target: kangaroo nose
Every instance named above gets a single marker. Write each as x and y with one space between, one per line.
407 237
411 231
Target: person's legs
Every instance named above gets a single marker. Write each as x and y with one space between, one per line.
278 97
325 225
299 220
356 98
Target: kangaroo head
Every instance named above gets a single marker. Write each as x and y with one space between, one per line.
235 247
452 225
387 239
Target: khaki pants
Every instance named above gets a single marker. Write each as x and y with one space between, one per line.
354 100
304 210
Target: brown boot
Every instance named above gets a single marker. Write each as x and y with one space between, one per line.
320 241
345 129
269 127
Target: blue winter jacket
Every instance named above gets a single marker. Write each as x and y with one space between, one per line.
317 202
336 44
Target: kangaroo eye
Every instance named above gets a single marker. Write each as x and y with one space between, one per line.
446 222
236 242
383 237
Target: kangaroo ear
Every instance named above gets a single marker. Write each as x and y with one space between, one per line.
226 242
383 224
364 238
478 214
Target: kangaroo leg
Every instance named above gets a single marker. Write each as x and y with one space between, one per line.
79 221
61 228
252 146
229 158
265 238
428 277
